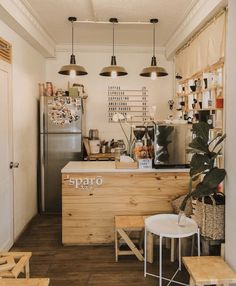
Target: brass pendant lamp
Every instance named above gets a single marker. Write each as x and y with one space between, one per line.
113 70
72 69
153 71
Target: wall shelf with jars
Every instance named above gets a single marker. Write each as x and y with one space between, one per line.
201 97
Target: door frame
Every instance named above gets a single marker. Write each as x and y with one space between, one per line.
5 66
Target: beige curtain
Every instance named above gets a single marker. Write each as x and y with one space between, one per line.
206 49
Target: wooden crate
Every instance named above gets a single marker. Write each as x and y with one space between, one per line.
126 165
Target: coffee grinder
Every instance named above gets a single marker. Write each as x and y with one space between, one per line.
139 132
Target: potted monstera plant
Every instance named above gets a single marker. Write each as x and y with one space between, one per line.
205 176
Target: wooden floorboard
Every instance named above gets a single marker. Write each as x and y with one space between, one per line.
82 265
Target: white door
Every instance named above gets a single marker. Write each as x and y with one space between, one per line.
6 155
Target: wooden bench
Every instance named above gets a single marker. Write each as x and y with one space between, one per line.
209 270
13 263
124 226
25 282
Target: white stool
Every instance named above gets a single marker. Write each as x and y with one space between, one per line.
166 225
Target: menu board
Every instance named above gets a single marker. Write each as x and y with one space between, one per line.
132 103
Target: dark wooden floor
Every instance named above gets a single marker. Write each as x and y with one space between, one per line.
82 265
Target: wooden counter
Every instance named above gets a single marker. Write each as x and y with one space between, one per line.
94 192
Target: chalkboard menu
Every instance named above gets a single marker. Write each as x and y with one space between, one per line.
132 103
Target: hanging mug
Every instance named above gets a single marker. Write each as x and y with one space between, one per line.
205 82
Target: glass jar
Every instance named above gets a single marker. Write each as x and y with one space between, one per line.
118 153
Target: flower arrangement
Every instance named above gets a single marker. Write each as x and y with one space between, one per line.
124 120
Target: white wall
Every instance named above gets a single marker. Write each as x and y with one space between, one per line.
230 149
160 91
28 69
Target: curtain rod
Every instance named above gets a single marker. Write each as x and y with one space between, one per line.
224 10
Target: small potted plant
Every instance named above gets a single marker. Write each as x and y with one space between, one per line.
205 176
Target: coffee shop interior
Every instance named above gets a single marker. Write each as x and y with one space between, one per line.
117 142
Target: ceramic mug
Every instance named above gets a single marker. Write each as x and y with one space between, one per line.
219 102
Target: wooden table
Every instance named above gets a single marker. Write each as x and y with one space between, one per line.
209 270
25 282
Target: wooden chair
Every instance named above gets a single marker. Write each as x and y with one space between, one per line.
13 263
209 270
124 226
25 282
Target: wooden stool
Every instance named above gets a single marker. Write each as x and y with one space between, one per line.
209 270
13 263
124 225
25 282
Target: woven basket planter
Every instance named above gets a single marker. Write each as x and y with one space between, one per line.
210 218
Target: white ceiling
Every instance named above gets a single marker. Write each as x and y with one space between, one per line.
53 14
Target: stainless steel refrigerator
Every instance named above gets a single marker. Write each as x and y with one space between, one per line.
61 130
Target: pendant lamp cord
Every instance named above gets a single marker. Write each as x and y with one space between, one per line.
72 22
113 36
154 39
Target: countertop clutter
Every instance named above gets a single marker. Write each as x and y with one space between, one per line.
158 144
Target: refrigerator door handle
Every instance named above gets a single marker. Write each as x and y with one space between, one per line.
42 114
42 169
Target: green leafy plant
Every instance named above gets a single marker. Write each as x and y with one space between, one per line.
202 164
163 141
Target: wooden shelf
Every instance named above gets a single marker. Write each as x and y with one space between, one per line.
200 91
189 93
214 67
213 92
208 109
201 109
212 88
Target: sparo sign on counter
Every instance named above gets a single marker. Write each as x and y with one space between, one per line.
86 182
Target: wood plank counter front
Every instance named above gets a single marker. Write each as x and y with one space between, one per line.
94 192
